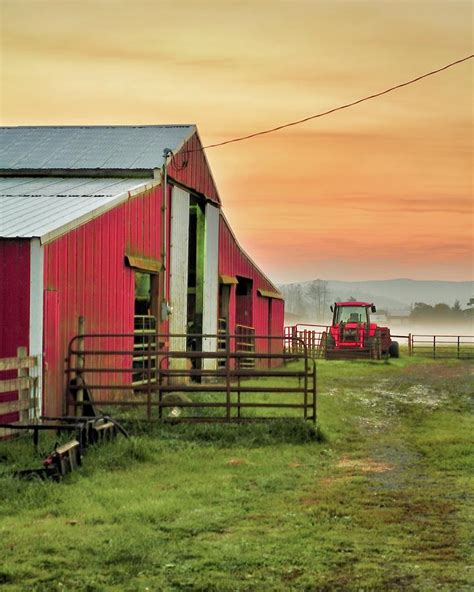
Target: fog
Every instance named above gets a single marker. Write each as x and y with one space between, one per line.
401 328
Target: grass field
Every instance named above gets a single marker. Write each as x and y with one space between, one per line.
378 498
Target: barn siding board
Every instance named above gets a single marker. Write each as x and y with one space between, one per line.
14 306
53 379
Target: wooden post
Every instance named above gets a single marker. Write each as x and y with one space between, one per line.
459 346
434 346
23 394
81 329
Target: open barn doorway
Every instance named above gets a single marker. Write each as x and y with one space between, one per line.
146 307
196 252
146 310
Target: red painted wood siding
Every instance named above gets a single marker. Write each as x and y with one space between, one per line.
196 173
14 306
86 269
234 262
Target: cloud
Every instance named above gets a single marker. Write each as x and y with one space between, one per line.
383 186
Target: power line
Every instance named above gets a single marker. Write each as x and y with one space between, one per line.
340 108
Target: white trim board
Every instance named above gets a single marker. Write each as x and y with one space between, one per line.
36 316
211 284
179 240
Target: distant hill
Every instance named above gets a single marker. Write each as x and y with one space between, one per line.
310 300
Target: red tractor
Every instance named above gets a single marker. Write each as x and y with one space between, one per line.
352 335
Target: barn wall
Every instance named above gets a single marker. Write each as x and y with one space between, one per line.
14 305
278 316
85 275
234 262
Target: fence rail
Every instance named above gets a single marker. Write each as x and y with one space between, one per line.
175 383
312 336
245 342
435 346
18 388
442 346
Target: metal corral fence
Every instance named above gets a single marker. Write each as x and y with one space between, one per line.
434 346
192 386
442 346
312 336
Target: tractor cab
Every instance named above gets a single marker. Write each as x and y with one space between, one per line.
352 312
352 335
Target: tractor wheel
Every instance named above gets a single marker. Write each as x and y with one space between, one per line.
394 350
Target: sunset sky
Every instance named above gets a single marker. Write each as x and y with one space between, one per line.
382 190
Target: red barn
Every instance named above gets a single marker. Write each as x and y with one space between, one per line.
85 232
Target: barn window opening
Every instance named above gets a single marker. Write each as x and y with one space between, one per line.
244 302
142 293
145 326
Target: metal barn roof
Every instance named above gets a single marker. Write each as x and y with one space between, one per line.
45 207
78 148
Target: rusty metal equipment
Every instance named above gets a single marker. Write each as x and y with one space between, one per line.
67 457
63 460
219 385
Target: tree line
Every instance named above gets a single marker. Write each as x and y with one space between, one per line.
441 312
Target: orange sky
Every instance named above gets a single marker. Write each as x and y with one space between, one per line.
378 191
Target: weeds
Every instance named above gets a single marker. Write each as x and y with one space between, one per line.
378 501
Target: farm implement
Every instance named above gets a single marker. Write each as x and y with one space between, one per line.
67 457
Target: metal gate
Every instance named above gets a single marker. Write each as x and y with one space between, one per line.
278 384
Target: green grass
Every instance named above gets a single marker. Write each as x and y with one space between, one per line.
377 498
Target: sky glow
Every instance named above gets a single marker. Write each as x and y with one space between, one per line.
381 190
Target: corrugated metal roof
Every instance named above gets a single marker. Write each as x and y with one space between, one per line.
36 207
89 147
